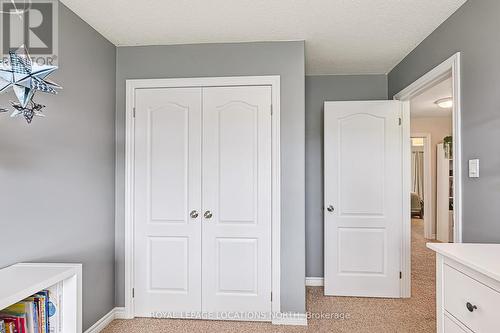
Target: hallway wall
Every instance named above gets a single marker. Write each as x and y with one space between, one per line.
438 127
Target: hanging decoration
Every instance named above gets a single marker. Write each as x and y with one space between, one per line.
33 109
26 78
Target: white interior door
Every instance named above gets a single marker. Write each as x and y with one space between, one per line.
236 199
363 198
167 186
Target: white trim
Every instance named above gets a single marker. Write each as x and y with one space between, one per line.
102 323
299 319
290 318
116 313
131 85
129 200
405 288
315 281
429 198
436 75
120 313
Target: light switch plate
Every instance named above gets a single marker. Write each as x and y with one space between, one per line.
474 168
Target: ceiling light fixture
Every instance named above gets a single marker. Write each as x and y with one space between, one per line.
444 103
417 142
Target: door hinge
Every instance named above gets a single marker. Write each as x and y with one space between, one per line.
133 292
133 112
400 121
400 275
271 109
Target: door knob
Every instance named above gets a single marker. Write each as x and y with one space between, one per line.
208 214
193 214
330 208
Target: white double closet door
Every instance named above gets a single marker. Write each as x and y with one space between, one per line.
202 211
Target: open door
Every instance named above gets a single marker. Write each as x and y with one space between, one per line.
363 198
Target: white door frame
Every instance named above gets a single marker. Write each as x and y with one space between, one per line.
436 75
131 86
429 198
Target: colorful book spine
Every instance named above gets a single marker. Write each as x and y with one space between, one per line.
17 322
55 305
45 295
9 328
2 326
25 308
38 320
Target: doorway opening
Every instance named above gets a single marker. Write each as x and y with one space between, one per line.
431 130
431 127
432 113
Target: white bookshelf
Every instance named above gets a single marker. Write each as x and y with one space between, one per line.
444 189
20 281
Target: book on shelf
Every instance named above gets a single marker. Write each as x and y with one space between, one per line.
7 327
11 315
39 313
54 313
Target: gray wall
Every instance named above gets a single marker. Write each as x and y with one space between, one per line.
57 175
318 90
472 30
266 58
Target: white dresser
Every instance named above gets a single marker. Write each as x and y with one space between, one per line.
467 287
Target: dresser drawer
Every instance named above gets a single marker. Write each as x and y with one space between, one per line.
450 326
460 289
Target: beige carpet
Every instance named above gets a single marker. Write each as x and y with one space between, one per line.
416 314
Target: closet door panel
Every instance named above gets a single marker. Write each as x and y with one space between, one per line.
237 149
167 188
237 199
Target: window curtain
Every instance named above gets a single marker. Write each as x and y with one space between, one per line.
417 173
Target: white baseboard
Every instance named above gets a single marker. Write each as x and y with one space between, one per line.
297 319
120 313
314 282
116 313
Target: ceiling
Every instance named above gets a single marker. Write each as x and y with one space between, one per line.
342 36
424 106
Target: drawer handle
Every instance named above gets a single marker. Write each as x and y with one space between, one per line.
471 307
